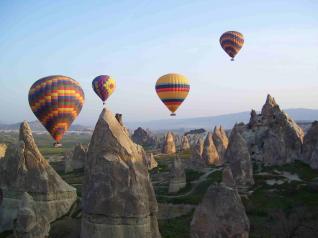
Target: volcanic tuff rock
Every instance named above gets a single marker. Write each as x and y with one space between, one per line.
118 197
76 159
177 176
151 162
220 141
30 224
197 150
143 137
238 158
119 118
227 177
220 214
24 169
310 146
185 145
210 154
3 149
272 136
169 146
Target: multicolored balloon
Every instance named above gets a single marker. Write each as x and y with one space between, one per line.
104 86
56 101
172 89
232 42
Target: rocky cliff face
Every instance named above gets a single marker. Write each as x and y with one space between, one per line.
177 176
143 137
220 214
3 149
151 161
185 145
197 150
76 159
24 169
210 154
272 136
310 146
169 146
238 158
220 141
119 199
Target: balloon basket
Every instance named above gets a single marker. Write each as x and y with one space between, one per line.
232 59
173 114
57 145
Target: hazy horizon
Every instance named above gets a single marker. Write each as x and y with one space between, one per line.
137 43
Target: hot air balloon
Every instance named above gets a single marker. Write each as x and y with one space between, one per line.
56 101
172 89
104 86
232 42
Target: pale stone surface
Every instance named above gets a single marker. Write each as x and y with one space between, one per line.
227 177
220 141
177 176
24 169
3 149
119 118
151 162
76 159
238 158
118 197
169 146
220 214
185 145
310 146
197 150
210 154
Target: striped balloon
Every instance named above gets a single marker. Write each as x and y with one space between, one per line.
172 89
56 101
104 86
232 42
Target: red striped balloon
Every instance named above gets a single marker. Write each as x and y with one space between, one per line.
232 42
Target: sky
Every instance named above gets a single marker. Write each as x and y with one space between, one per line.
136 42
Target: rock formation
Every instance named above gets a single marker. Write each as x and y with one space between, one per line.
76 159
220 141
177 176
210 154
227 177
143 137
185 145
30 224
24 169
272 136
238 158
310 146
169 146
119 118
151 162
197 150
118 197
3 149
220 214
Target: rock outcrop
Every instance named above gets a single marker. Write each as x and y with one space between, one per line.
220 214
30 224
177 176
76 159
118 197
119 118
227 177
185 145
273 137
197 150
24 169
220 141
143 137
3 149
169 146
151 162
210 154
238 158
310 146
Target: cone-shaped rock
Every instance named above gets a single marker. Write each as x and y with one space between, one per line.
76 159
310 147
185 145
210 154
3 149
238 158
118 197
197 150
143 137
169 146
227 177
220 214
25 170
177 176
151 162
220 141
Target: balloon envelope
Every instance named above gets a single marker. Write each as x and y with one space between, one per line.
232 42
104 86
56 101
172 89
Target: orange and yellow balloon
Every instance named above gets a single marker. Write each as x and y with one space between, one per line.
56 101
172 90
232 42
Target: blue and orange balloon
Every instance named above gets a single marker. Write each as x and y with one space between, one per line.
56 101
172 90
104 86
232 42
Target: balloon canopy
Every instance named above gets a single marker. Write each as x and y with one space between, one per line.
172 90
56 101
104 86
232 42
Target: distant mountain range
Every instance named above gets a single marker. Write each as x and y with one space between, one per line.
226 120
